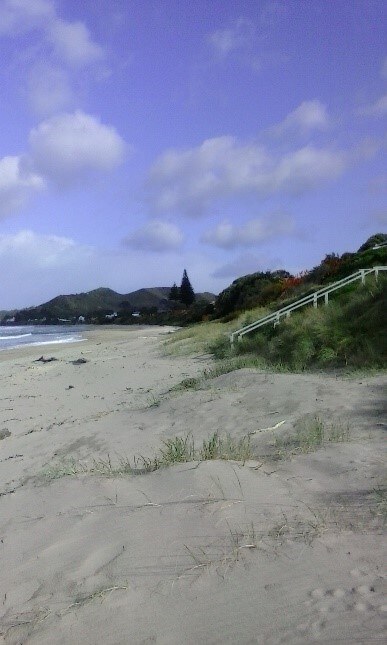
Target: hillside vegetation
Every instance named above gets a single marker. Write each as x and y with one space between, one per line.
94 306
349 332
269 288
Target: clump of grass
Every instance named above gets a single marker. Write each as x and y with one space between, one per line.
182 449
68 466
305 529
108 468
173 451
224 553
153 401
379 510
226 448
223 367
176 450
104 467
311 435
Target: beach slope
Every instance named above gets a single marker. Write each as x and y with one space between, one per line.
284 547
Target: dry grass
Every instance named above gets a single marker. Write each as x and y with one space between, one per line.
201 338
310 436
196 339
224 553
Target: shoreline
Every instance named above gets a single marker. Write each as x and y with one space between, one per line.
92 332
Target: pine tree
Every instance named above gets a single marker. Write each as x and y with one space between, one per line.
187 294
174 292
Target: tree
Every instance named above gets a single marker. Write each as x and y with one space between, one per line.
378 238
187 294
174 292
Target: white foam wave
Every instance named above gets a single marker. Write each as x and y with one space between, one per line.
14 337
57 341
71 339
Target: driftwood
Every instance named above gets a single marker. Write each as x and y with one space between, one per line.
79 361
45 360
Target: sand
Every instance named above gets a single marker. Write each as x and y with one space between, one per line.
270 551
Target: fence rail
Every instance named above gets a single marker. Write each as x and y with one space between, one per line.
275 316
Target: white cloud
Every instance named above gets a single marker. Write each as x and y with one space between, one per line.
155 236
49 89
69 147
44 266
230 236
42 250
62 48
71 41
310 115
18 16
377 109
188 181
73 44
239 35
16 184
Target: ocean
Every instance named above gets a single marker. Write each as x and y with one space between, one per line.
39 335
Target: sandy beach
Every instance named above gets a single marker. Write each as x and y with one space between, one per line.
274 550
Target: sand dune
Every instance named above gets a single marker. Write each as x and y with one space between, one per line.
268 551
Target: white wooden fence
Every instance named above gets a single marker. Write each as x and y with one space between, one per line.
275 316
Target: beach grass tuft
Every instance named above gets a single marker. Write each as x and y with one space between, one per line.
311 435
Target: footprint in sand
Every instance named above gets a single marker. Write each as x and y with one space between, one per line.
363 598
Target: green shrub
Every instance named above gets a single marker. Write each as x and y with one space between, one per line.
350 331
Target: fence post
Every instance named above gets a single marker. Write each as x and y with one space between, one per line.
376 273
326 298
315 300
362 273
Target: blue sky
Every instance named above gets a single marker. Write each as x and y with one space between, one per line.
142 137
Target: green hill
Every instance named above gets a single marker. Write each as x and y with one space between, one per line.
94 305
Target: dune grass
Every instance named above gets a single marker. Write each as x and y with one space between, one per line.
311 435
348 333
224 366
201 338
173 451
